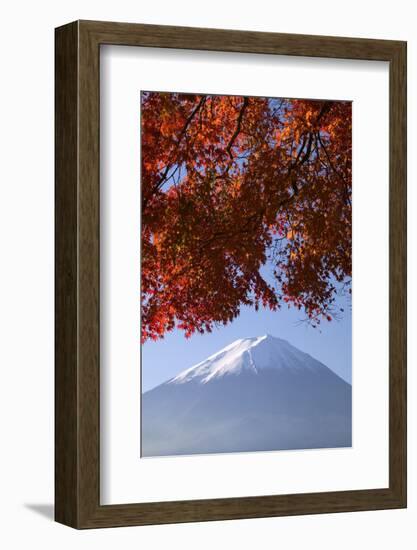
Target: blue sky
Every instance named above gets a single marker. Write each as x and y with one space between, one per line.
332 346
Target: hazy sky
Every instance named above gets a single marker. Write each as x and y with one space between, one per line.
332 346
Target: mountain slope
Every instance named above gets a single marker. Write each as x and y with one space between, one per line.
257 394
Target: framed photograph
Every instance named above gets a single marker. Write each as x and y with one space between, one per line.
230 274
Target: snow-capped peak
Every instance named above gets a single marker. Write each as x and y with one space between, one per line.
251 355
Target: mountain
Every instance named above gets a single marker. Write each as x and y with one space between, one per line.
257 394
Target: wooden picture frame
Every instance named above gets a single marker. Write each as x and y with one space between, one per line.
77 374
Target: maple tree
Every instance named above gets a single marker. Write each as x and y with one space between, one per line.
230 185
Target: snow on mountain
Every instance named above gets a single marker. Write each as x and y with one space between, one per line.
251 354
256 394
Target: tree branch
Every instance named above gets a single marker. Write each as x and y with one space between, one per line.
168 167
332 166
238 126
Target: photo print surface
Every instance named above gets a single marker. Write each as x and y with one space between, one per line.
246 263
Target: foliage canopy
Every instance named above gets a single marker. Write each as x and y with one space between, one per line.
230 185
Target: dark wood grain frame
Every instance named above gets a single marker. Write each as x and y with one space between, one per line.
77 374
